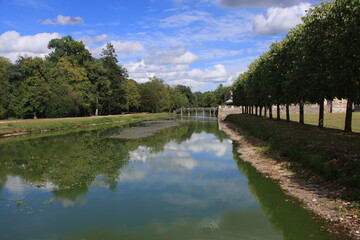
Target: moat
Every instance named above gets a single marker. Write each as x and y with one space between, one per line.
184 181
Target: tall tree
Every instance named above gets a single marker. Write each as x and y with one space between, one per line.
68 47
187 92
133 96
222 94
71 90
100 85
32 94
179 100
155 96
198 99
115 102
5 87
210 99
343 52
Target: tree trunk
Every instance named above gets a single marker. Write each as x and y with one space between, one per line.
348 118
287 113
277 111
265 112
301 115
256 111
321 114
331 106
260 111
270 112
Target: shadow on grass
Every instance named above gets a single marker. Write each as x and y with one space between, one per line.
328 156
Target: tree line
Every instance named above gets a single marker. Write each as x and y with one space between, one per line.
71 82
318 59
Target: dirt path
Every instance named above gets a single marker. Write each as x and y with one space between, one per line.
323 201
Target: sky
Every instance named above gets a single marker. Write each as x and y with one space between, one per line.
198 43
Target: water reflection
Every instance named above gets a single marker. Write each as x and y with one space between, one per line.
181 183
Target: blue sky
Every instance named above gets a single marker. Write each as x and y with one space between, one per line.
197 43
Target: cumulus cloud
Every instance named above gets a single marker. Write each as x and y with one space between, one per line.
217 74
179 56
64 20
178 74
259 3
95 39
12 44
280 20
127 47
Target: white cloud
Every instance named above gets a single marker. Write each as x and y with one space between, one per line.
96 39
178 74
127 47
218 74
178 56
12 44
280 20
64 20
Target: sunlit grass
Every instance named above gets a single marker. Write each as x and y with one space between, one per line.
331 120
50 124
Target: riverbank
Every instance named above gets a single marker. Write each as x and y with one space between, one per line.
9 128
327 198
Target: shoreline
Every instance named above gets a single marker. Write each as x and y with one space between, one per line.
14 128
313 196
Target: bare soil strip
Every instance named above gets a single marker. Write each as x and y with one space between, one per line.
315 197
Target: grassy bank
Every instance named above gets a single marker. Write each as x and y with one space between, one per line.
329 153
13 127
331 120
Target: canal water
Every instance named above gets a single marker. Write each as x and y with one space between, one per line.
183 182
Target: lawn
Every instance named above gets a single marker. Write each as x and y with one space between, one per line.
332 120
330 153
51 124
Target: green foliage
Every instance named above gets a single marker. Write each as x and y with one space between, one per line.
186 91
317 60
70 89
68 47
155 96
179 100
199 99
222 94
209 99
133 95
71 83
115 101
100 85
32 95
5 87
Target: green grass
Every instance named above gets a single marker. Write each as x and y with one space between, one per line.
329 153
331 120
52 124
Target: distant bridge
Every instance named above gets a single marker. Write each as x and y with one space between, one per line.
211 110
221 112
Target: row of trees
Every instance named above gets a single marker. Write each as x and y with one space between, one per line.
70 82
317 60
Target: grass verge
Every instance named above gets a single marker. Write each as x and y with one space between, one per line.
329 153
331 120
14 127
